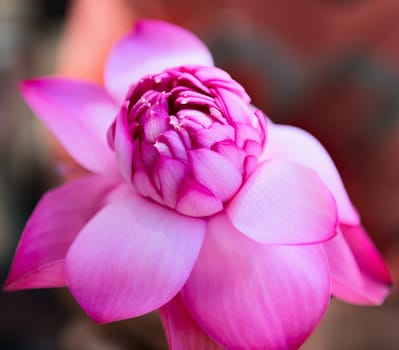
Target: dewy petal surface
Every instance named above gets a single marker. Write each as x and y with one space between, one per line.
182 332
52 227
288 142
79 115
253 296
151 47
358 272
131 258
284 203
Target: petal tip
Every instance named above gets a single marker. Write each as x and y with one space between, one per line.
101 319
25 86
8 287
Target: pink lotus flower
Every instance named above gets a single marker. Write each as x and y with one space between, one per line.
237 232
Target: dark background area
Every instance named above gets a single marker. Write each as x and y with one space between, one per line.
328 66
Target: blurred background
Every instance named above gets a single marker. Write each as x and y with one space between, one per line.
328 66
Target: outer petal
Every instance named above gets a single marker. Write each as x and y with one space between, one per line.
358 272
150 48
182 332
252 296
284 203
366 254
78 114
295 144
52 227
347 281
131 258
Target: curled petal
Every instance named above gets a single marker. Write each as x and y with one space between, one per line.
231 151
123 144
145 186
196 200
151 47
79 115
284 203
182 332
131 258
247 295
215 133
287 142
366 254
234 107
358 272
54 224
215 172
169 173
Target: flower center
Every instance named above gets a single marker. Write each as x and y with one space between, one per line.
195 138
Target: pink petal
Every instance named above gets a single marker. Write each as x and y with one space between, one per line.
78 114
123 144
358 272
169 172
54 224
215 133
284 203
215 172
145 186
294 144
230 150
182 332
347 281
247 295
234 107
195 200
366 254
131 258
150 48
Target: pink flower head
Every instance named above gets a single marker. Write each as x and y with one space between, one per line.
191 138
239 234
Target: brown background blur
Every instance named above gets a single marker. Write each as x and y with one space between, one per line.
329 66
